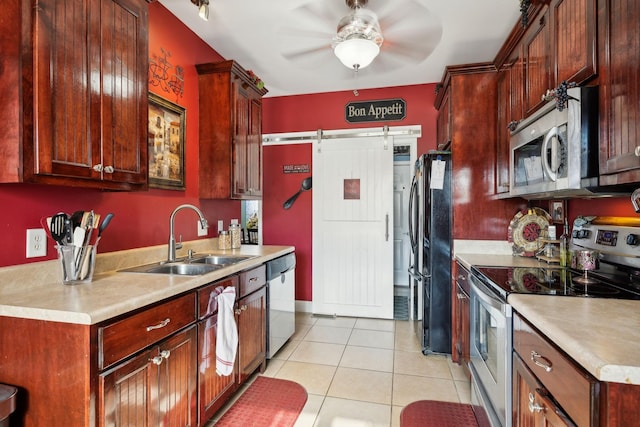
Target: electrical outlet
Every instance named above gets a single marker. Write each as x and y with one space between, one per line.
220 225
36 242
202 231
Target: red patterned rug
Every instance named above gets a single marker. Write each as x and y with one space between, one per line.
427 413
268 402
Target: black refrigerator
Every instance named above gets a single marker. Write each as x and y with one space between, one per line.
430 230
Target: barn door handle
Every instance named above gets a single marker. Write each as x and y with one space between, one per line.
386 223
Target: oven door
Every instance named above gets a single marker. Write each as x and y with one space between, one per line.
491 347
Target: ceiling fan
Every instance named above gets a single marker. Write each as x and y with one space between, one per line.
397 34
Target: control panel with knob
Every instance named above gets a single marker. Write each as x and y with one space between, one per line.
633 239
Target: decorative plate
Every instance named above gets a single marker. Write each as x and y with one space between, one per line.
526 228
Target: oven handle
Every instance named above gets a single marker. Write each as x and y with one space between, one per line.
484 294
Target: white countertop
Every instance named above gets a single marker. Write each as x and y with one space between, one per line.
35 291
601 335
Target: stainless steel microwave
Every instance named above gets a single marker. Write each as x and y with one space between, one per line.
555 153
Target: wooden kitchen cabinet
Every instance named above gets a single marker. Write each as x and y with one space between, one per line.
510 92
76 72
230 132
213 390
156 388
443 121
461 353
531 405
537 60
251 319
469 93
619 56
556 385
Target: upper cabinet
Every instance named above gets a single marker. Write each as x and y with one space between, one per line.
230 132
82 103
619 56
537 60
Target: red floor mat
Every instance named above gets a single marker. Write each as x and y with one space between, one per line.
268 402
431 413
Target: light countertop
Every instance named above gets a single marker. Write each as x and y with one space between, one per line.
601 335
35 291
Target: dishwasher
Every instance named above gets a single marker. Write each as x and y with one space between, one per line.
281 302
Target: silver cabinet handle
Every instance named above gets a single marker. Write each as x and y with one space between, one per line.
162 324
109 169
541 361
241 309
164 354
97 168
533 406
637 151
386 222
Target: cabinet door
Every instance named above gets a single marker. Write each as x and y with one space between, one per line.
212 388
247 144
252 333
87 125
532 407
574 36
124 62
619 94
254 149
128 394
66 99
443 125
537 66
178 376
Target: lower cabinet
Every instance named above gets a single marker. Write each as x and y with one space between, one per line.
461 312
213 389
157 387
251 315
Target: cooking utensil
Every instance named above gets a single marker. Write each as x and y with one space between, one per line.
305 186
58 229
103 226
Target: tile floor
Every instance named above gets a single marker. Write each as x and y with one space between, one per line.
362 372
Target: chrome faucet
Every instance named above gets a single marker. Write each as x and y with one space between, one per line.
172 240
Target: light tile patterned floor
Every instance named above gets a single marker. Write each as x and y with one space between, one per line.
362 372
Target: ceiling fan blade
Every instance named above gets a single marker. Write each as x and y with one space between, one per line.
307 52
324 12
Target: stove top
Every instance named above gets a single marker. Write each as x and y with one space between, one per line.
616 243
558 281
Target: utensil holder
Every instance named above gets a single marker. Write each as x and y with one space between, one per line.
77 263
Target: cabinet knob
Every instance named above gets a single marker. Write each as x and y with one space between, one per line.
533 406
97 168
637 151
109 169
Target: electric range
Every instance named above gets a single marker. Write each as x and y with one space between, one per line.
614 240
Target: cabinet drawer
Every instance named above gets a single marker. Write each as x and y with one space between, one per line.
571 387
127 336
252 280
208 296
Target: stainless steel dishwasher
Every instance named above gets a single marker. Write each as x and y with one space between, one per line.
281 302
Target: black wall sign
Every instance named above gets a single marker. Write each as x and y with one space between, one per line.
385 110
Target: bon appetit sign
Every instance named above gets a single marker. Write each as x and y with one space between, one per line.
376 111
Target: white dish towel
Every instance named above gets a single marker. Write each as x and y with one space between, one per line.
227 333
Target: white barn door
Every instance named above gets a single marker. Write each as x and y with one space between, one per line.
353 227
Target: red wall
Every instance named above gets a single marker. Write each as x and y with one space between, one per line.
310 113
141 219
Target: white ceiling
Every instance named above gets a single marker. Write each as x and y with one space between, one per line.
287 43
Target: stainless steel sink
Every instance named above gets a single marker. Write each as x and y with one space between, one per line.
177 268
222 260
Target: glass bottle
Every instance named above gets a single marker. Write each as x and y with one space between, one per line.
564 245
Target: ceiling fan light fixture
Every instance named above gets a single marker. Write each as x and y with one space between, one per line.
203 9
358 40
356 53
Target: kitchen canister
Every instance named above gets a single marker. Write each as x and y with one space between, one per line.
224 240
236 236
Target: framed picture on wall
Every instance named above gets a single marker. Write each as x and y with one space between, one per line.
166 140
557 210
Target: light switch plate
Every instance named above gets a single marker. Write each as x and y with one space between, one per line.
201 231
36 242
